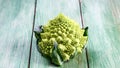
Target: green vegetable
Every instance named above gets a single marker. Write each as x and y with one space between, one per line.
61 39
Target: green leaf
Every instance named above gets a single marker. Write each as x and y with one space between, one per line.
86 32
56 59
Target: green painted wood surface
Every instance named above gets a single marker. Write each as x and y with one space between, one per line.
103 19
47 10
16 17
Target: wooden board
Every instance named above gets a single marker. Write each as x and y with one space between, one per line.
103 19
47 10
16 18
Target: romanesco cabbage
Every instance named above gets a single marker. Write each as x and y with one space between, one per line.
61 39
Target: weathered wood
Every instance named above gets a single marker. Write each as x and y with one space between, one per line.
16 18
103 19
47 10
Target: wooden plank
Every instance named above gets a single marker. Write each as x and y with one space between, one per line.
103 19
47 10
16 18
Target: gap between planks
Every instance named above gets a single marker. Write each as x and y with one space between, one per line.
81 16
32 34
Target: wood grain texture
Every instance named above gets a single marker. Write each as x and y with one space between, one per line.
103 19
47 10
16 18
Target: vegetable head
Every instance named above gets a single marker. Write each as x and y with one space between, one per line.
68 36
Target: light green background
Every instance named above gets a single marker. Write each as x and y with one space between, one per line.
101 16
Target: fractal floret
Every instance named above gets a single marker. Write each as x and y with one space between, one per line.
61 39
